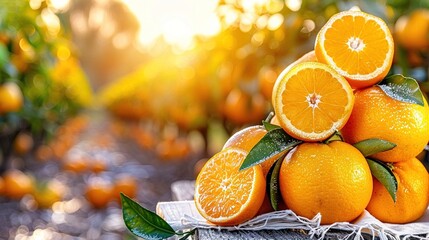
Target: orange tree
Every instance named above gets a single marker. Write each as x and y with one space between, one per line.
31 44
224 77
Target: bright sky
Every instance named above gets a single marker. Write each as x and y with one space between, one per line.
177 20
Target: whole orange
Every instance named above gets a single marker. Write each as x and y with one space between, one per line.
246 139
331 179
243 108
17 184
376 115
98 192
412 197
11 99
23 143
412 31
266 78
126 184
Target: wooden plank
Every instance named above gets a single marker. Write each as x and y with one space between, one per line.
208 234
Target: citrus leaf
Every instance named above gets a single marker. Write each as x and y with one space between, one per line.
269 126
274 142
4 55
384 175
372 146
334 137
273 187
404 89
144 223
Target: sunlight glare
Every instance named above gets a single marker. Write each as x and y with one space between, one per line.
178 22
294 5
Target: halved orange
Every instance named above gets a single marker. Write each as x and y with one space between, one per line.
357 45
312 101
226 196
308 57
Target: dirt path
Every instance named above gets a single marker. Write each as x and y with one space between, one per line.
74 218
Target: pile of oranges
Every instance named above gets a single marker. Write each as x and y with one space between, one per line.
327 102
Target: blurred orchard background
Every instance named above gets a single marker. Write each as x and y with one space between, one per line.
99 97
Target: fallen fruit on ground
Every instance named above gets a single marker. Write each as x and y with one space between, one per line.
312 101
98 192
376 115
359 46
126 184
412 197
331 179
226 196
17 184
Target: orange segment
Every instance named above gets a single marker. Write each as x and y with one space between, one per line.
357 45
226 196
312 100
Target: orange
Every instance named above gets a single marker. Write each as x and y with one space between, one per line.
43 153
266 78
243 108
312 101
357 45
2 186
376 115
98 192
23 143
246 139
226 196
308 57
126 184
11 98
412 31
75 165
331 179
98 165
412 197
17 184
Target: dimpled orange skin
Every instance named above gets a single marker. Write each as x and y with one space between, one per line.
412 197
246 139
376 115
333 179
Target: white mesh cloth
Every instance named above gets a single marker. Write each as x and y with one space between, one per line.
184 215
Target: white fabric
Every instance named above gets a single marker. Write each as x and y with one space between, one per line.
184 215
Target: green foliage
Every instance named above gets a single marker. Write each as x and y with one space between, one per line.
275 142
384 175
404 89
27 57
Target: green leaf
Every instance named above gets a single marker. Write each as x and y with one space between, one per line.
372 146
334 137
269 126
384 175
4 55
404 89
273 143
273 187
144 223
